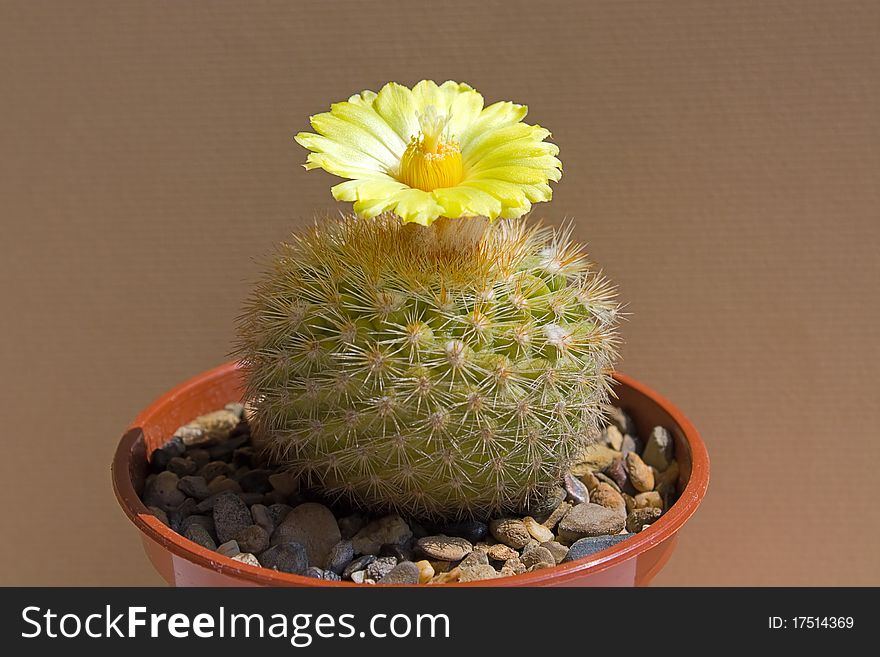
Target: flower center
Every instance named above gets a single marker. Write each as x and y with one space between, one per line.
433 159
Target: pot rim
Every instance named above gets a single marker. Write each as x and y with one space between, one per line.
661 530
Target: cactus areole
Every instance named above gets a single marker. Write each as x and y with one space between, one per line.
433 353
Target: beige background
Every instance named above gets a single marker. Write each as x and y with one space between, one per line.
721 159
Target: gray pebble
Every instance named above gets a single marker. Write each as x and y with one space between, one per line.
195 487
182 466
659 449
380 567
352 524
278 512
390 529
205 521
181 512
229 549
406 572
340 556
592 544
538 555
252 539
160 457
314 527
231 515
358 564
359 576
631 444
399 552
288 557
200 535
619 418
261 516
320 573
163 492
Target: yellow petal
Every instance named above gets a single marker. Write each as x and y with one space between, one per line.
415 205
343 157
366 117
354 136
467 202
396 105
497 115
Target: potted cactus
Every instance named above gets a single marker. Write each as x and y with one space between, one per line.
434 355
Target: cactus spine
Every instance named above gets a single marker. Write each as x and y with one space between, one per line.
444 371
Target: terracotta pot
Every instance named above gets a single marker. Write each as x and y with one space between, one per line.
183 563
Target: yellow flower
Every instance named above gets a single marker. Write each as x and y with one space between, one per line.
432 151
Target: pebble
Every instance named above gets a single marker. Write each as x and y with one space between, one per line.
501 552
390 529
538 555
198 534
514 566
605 495
612 437
639 518
558 514
205 521
181 512
380 567
400 552
659 448
231 515
222 483
558 550
542 508
199 456
470 530
450 576
214 469
640 474
160 457
446 548
257 481
358 564
278 512
426 571
339 557
288 557
478 573
510 531
252 539
620 419
248 558
590 520
594 457
649 499
352 524
406 572
229 549
590 481
474 559
590 545
194 486
163 491
618 473
631 444
262 517
208 428
182 466
319 573
285 483
575 489
536 530
313 526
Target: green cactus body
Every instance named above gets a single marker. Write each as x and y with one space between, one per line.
432 381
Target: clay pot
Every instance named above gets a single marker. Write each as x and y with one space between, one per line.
633 562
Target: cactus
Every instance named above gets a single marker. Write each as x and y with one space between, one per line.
448 370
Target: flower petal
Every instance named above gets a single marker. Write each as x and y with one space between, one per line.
396 105
353 135
337 155
415 205
467 202
497 115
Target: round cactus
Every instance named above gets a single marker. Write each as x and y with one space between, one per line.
433 376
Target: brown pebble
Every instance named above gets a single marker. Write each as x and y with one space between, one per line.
640 474
638 518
